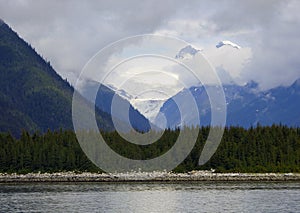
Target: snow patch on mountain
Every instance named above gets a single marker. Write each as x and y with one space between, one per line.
148 107
228 43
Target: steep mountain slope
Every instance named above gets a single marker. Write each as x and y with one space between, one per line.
32 95
172 113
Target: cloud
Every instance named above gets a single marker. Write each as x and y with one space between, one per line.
69 33
276 51
273 37
229 62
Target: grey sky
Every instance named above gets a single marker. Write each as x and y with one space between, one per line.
69 33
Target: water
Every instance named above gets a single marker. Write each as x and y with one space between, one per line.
151 197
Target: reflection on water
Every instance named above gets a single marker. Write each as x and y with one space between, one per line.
150 197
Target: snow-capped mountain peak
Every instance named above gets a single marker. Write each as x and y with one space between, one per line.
227 43
187 52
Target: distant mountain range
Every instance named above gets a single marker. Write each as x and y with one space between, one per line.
246 105
33 96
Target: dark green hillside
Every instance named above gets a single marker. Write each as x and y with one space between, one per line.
32 95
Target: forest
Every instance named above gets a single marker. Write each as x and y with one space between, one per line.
257 149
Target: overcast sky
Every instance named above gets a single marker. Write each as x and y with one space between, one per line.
69 33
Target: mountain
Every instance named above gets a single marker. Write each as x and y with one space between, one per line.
172 113
277 105
187 52
32 95
246 105
104 100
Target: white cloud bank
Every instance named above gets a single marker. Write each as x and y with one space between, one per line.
69 33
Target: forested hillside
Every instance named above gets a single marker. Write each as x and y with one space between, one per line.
32 95
260 149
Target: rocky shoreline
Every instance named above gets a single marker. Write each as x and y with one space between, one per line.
146 177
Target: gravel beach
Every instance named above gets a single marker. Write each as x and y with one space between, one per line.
146 177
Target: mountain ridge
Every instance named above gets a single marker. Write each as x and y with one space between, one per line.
246 106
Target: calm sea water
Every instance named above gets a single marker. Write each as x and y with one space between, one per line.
151 197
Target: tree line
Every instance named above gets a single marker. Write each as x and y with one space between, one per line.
257 149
